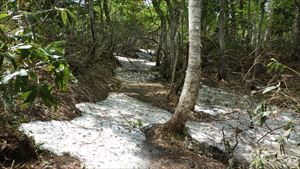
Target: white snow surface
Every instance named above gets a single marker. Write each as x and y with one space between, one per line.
104 137
136 70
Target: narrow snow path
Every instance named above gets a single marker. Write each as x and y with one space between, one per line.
107 134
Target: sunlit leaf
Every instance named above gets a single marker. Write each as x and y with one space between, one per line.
268 89
3 15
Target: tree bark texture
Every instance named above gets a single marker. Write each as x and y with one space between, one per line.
222 43
259 28
191 85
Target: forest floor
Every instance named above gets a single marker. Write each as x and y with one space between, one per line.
146 91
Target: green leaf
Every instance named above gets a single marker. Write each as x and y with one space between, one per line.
2 35
46 96
31 95
11 59
63 15
264 117
6 79
3 15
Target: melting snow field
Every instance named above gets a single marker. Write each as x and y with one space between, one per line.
104 136
107 136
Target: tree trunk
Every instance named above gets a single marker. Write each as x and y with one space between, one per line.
296 52
269 32
233 22
92 19
174 12
259 29
241 18
249 25
163 30
222 64
190 89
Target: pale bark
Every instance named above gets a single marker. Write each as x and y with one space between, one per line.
191 85
222 43
259 28
269 32
174 10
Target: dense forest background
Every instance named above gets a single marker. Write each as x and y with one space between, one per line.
56 53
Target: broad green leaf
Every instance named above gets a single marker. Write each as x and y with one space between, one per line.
6 79
31 95
46 96
12 60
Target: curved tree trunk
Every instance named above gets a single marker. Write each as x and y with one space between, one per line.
191 85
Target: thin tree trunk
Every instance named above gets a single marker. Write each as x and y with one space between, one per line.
222 66
241 18
163 31
259 29
233 29
269 32
92 19
174 12
249 25
191 85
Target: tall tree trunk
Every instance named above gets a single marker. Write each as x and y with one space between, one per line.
92 19
249 25
174 11
241 19
163 30
269 33
296 52
191 85
259 28
221 21
233 22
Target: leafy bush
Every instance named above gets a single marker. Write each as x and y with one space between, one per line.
29 70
